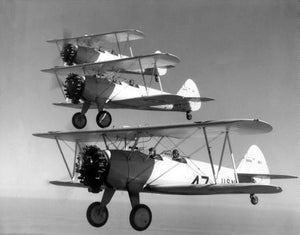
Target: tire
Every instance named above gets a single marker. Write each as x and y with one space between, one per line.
97 216
103 119
79 120
254 199
140 217
189 116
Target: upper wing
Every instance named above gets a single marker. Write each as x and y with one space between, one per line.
111 37
241 126
155 100
132 64
208 189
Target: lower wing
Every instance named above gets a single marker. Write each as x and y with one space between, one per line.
209 189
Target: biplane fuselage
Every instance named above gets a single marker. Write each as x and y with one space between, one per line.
117 94
138 170
91 55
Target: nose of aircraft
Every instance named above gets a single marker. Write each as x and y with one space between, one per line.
68 53
93 166
74 87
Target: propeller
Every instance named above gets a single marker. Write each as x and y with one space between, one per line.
56 81
74 87
69 50
68 53
92 166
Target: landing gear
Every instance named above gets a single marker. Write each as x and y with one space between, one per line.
79 120
96 215
140 217
103 119
189 115
253 199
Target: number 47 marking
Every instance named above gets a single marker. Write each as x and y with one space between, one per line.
196 180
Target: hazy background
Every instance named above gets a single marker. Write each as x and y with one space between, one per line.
242 53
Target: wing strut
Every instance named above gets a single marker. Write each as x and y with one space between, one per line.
226 139
160 139
105 138
118 44
209 154
232 158
77 148
105 142
60 85
63 156
143 75
74 162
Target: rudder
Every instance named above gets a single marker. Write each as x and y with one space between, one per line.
254 162
190 89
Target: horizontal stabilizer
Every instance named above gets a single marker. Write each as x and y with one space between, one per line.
247 177
197 189
197 99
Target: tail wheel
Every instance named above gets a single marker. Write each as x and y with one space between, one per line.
79 120
103 119
253 199
97 216
140 217
189 115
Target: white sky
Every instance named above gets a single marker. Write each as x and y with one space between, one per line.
242 53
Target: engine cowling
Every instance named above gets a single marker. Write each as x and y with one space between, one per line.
68 53
74 87
92 166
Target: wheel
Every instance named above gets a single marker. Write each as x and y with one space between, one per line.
253 199
189 116
79 120
97 216
140 217
103 119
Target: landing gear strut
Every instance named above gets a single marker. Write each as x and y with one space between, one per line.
79 120
96 215
103 119
253 199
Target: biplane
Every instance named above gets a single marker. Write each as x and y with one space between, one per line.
97 78
130 160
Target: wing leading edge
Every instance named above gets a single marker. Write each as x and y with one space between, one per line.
210 189
134 64
180 131
111 37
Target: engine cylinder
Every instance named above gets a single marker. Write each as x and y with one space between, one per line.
68 53
92 166
74 87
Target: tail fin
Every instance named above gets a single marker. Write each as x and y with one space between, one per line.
189 89
253 167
